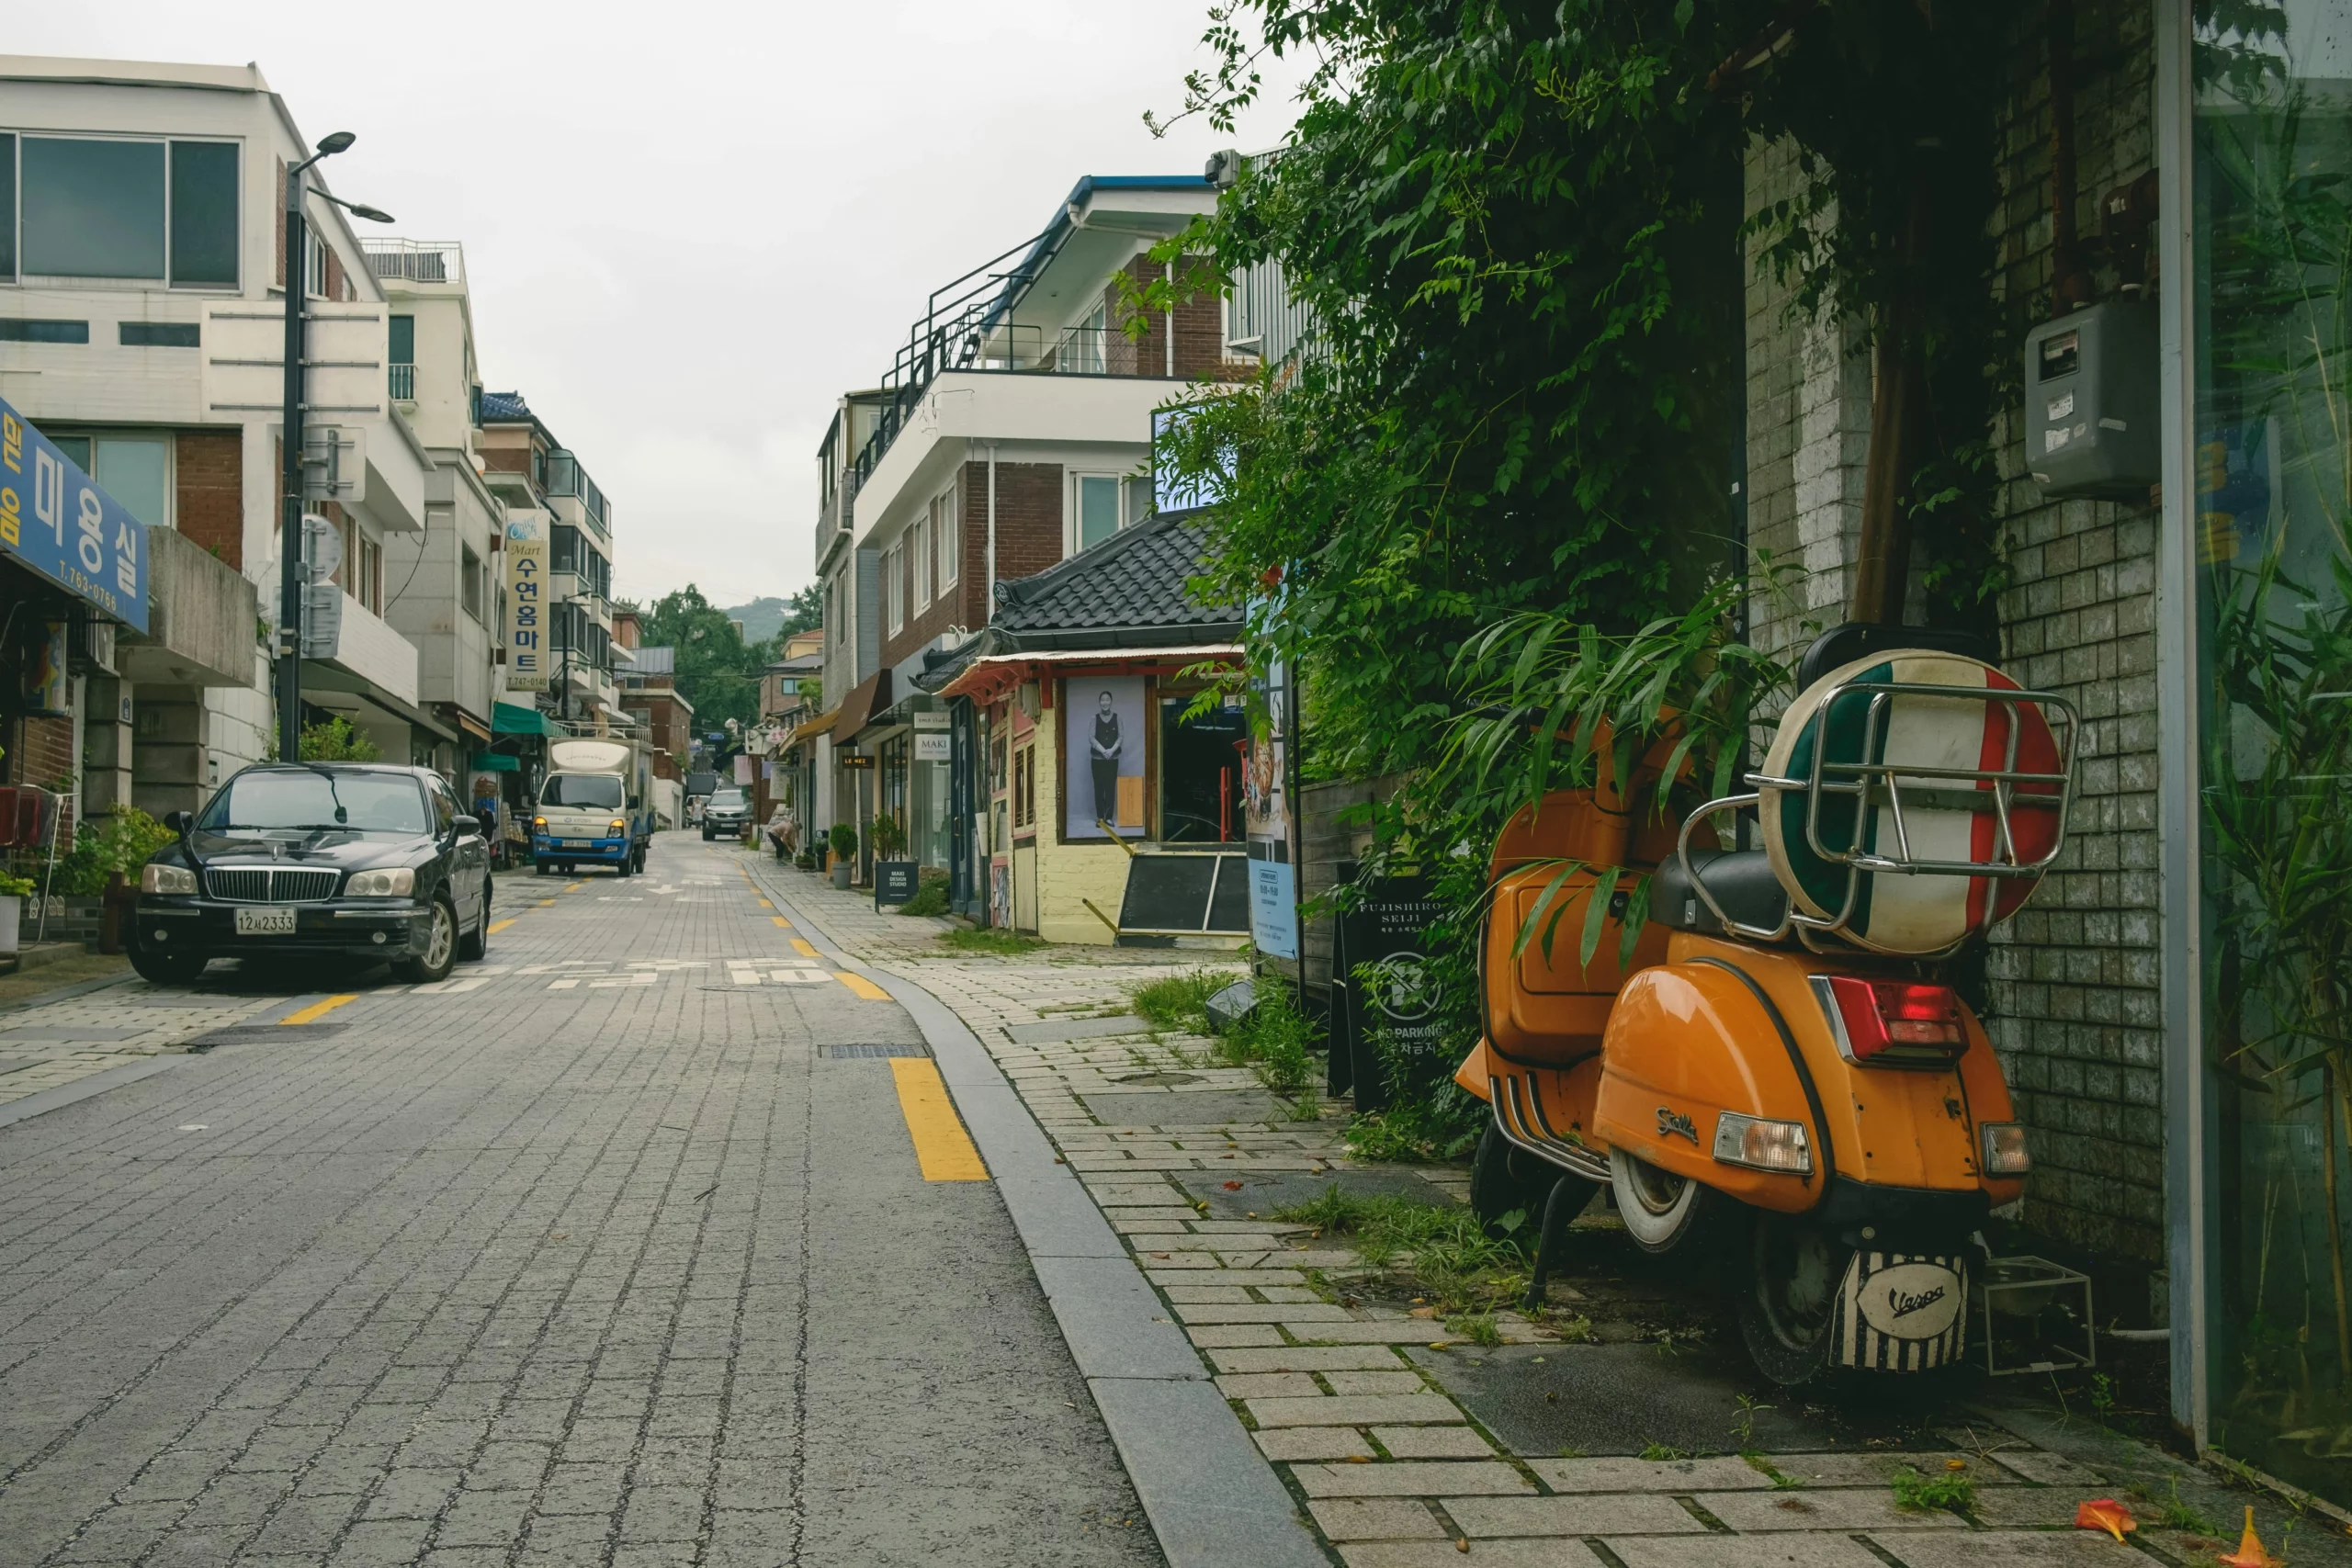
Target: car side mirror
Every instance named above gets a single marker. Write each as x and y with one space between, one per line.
178 821
467 825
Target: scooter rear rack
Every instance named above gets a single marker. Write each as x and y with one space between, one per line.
1519 1117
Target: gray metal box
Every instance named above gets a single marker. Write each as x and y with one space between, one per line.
2091 396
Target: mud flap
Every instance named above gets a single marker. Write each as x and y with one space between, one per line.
1901 1313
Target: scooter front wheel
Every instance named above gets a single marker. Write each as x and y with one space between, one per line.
1660 1210
1786 1299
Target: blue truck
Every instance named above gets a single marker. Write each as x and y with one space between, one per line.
595 806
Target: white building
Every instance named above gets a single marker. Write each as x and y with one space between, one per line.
141 325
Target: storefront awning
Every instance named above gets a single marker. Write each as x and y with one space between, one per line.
811 730
505 719
984 679
871 696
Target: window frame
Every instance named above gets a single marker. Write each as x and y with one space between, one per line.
12 274
893 588
1074 502
919 546
469 582
948 528
167 439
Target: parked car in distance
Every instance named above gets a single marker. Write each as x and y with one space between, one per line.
314 859
726 814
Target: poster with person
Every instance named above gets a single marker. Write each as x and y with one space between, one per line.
1103 750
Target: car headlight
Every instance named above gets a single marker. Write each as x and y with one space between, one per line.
539 822
162 878
619 826
2004 1152
380 884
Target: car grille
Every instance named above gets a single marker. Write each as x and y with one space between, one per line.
270 884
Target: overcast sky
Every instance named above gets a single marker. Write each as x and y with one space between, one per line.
690 227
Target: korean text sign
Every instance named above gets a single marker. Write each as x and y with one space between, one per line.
56 519
526 605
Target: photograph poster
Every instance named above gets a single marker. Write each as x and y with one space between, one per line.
1103 741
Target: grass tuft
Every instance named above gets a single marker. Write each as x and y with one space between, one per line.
990 939
1926 1493
1181 1001
1457 1265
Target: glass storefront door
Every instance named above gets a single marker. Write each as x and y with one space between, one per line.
2271 129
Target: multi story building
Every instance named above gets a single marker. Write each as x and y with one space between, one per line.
1012 433
143 271
542 486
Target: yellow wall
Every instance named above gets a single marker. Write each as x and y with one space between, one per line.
1069 873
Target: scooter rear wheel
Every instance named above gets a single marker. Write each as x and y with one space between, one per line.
1786 1299
1660 1210
1505 1181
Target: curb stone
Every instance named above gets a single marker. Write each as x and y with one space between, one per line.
1212 1499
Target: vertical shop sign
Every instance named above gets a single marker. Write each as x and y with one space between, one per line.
1273 879
526 604
1380 983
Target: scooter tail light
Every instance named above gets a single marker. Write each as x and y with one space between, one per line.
1897 1022
1763 1145
2005 1150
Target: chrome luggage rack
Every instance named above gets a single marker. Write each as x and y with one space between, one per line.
1874 783
1519 1117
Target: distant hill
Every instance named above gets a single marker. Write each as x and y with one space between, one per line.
762 618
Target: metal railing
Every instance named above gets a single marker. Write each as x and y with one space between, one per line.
417 260
403 383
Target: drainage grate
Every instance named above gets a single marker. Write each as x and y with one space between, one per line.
839 1052
256 1033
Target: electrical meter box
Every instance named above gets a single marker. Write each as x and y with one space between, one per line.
2091 400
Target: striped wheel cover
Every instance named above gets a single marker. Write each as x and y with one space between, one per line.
1896 914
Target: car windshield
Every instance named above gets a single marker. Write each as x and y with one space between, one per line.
581 791
324 800
728 800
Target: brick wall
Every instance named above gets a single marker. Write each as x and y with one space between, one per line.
42 754
210 485
1200 332
2071 982
1028 540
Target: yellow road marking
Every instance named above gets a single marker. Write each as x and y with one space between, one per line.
575 888
497 926
547 903
942 1148
862 985
779 920
803 948
320 1009
765 904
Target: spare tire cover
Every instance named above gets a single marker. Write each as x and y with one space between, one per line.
1895 913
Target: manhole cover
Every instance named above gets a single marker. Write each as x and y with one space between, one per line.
1161 1080
253 1034
840 1052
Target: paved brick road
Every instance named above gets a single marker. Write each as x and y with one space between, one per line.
596 1261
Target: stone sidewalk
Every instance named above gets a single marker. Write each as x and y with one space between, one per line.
1340 1395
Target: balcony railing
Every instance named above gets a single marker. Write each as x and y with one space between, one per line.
403 381
566 477
417 260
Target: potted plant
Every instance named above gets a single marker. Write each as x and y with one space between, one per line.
843 839
14 891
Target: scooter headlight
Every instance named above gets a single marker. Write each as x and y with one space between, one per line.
1763 1145
2004 1151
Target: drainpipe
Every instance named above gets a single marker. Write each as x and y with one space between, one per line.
987 607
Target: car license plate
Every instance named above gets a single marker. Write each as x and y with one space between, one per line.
579 843
264 922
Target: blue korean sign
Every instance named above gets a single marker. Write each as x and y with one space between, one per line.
56 520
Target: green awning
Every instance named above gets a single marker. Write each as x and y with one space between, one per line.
496 762
505 719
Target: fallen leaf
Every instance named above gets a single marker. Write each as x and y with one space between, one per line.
1359 1459
1233 1187
1437 1344
2251 1553
1424 1312
2105 1514
1462 1543
1955 1464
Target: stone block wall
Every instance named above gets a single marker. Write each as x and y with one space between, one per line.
2071 982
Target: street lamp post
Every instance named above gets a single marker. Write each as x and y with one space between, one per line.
290 545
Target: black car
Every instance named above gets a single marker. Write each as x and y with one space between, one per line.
726 814
318 860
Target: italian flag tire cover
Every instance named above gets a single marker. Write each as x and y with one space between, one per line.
1895 913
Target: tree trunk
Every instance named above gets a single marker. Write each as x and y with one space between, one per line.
1898 421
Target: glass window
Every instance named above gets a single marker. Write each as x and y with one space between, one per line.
137 471
204 212
159 334
403 347
76 449
92 209
1200 774
583 792
919 546
1098 508
8 207
951 541
362 802
470 581
2271 550
23 331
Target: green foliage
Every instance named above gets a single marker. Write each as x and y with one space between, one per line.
771 619
1179 1001
120 843
1447 1251
334 740
886 838
930 894
2175 1513
1276 1037
843 837
1657 1452
16 886
1954 1489
719 671
990 940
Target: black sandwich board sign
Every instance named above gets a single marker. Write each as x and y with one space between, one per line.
1383 931
895 881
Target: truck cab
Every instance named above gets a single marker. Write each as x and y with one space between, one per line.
593 807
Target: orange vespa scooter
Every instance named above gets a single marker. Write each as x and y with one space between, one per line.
1779 1077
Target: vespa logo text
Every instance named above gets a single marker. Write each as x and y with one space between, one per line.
1901 1304
1675 1124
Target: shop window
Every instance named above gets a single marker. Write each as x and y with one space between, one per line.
1025 787
1200 773
134 469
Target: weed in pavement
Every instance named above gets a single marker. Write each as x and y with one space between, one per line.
1449 1254
1925 1494
1179 1001
1658 1451
990 939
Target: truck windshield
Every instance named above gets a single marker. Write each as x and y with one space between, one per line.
581 791
329 800
728 800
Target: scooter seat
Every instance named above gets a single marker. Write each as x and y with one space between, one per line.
1741 881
